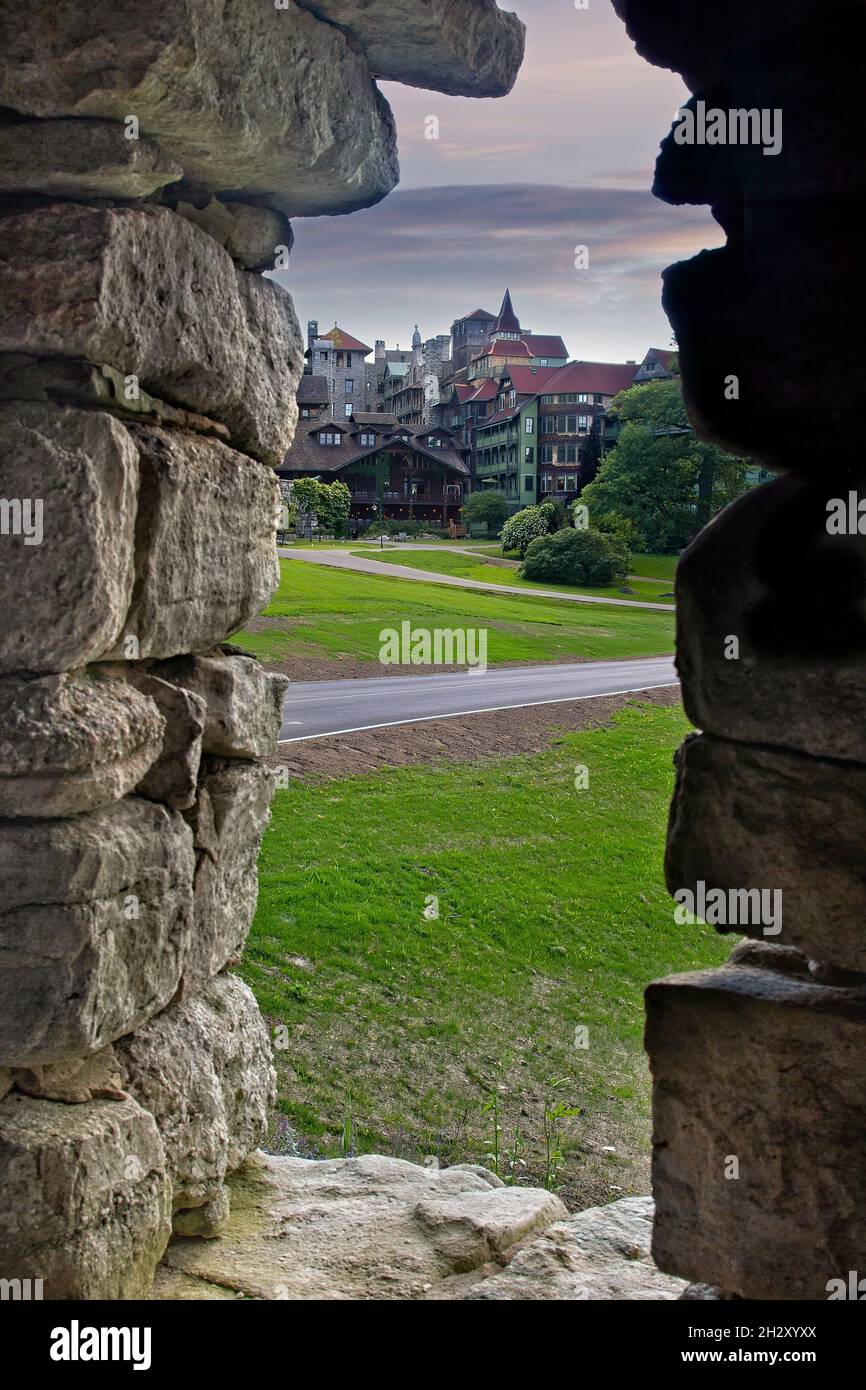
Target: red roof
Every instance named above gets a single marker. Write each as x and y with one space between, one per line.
592 378
504 347
528 380
664 355
344 340
487 391
464 390
545 345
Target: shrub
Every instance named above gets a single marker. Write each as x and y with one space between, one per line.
576 557
522 528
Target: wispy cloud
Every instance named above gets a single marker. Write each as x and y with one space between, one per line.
426 255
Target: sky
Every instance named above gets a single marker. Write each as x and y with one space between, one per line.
506 194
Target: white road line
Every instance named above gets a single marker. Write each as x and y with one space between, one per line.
491 709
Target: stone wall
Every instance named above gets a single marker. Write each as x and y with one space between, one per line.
151 156
759 1112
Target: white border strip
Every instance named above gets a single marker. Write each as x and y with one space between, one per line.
489 709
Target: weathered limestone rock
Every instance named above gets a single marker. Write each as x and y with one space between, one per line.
94 927
85 159
205 559
173 776
223 342
468 48
767 572
665 31
73 743
249 99
251 235
356 1228
86 1198
85 1078
746 817
766 1070
228 820
208 1221
600 1253
72 381
244 701
203 1069
66 597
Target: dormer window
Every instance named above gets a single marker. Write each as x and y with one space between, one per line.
328 438
368 441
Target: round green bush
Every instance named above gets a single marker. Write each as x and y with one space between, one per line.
576 557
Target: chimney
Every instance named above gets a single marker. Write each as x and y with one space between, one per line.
312 331
380 350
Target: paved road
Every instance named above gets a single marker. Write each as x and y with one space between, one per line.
318 709
340 560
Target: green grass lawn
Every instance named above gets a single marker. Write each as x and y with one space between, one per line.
404 1031
480 567
333 613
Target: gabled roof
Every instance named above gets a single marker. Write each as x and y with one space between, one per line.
592 378
312 390
528 380
507 322
462 390
397 369
487 391
308 456
664 355
380 419
476 314
545 345
341 339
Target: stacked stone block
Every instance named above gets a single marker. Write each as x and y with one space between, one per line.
150 158
760 1067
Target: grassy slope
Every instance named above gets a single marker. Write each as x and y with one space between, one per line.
552 914
330 612
480 568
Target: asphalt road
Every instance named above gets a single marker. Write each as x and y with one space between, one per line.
318 709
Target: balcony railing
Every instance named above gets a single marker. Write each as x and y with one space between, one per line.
435 498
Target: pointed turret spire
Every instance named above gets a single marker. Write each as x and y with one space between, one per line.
508 324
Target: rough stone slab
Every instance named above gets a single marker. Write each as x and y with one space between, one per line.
73 743
228 821
250 99
600 1253
86 1078
205 552
746 817
767 572
65 599
244 701
665 32
173 776
770 1070
85 159
203 1069
357 1228
78 968
86 1198
467 48
72 381
149 294
251 235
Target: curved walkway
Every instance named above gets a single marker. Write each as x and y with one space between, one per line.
338 559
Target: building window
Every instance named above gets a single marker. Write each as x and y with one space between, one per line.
598 400
350 386
348 408
529 425
305 412
541 361
560 482
323 356
569 454
583 398
571 482
329 437
547 483
529 455
583 424
546 453
528 482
